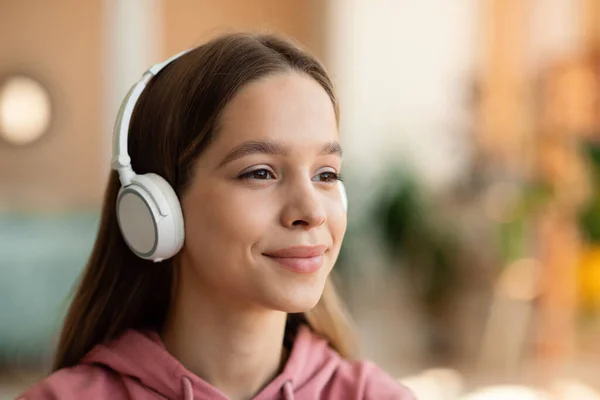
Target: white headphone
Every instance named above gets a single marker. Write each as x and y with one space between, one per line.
148 210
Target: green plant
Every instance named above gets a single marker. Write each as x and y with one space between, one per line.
418 239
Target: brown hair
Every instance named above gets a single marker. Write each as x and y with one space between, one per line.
174 121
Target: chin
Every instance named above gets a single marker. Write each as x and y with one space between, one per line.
298 300
300 307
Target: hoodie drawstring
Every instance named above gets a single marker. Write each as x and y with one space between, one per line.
186 385
288 390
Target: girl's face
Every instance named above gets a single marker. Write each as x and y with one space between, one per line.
264 219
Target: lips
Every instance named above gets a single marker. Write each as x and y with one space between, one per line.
298 252
300 259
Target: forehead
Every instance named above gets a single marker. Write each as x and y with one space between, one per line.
290 107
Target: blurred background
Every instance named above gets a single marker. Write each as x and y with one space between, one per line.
471 133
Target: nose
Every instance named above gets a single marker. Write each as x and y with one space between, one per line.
304 209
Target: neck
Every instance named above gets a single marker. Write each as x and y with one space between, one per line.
233 347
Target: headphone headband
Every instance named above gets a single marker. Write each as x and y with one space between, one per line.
121 160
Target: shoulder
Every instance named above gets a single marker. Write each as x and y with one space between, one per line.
379 385
366 378
80 381
335 377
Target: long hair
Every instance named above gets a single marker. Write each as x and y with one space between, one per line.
174 121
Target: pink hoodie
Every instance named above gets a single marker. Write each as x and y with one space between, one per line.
137 366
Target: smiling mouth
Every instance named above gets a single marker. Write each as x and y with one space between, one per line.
299 259
301 265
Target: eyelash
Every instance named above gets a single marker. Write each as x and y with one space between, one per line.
250 175
334 176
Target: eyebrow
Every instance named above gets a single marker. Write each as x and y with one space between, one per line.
272 147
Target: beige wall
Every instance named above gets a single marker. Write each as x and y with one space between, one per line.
60 43
190 22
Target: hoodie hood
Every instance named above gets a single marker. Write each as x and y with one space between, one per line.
142 356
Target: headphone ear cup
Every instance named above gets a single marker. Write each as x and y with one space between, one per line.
150 217
343 195
177 231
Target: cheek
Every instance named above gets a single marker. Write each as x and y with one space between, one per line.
337 229
338 222
220 219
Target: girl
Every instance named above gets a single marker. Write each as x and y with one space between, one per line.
209 278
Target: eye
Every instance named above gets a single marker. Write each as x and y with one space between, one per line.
261 174
327 176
